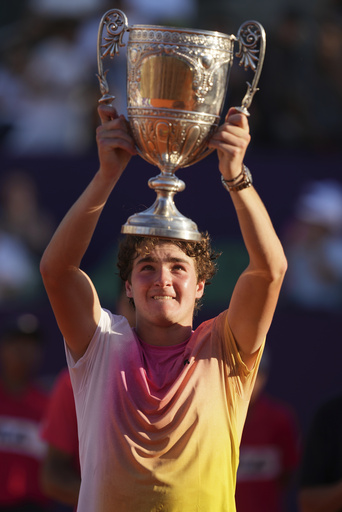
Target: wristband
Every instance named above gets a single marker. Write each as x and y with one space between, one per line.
245 181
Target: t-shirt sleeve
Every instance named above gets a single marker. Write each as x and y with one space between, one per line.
244 378
111 328
238 378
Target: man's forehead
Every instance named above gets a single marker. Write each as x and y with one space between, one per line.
165 252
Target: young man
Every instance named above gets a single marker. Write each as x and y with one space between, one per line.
22 407
161 408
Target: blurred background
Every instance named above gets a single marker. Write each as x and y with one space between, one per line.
48 100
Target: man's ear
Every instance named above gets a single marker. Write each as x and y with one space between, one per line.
200 289
129 291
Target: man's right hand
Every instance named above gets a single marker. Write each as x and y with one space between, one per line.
114 141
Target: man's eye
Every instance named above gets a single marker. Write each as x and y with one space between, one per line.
147 267
178 267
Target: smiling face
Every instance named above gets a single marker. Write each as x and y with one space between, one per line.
164 287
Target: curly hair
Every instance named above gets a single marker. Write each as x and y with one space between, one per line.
205 257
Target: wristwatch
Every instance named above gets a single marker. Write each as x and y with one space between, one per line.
245 181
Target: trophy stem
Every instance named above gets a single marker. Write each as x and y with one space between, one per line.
166 181
163 219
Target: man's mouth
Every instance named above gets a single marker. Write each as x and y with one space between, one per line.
162 297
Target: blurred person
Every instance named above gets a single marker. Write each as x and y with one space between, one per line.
19 280
320 484
313 244
153 432
61 475
269 450
25 228
21 213
50 111
12 83
22 406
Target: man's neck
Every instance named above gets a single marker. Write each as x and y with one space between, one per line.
163 336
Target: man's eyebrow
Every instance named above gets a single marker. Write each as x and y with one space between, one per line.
171 259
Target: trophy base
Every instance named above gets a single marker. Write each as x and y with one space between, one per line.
149 224
163 219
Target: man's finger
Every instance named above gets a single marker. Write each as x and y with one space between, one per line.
236 118
107 113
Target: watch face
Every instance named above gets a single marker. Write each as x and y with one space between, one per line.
248 175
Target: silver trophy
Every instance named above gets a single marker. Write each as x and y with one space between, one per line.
177 81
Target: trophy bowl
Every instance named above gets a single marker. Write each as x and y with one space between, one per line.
177 81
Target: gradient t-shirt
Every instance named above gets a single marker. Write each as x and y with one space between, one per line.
175 450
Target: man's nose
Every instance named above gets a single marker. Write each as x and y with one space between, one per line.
163 277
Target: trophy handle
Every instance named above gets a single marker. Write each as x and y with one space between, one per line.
115 22
252 44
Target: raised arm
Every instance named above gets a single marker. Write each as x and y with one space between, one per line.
72 295
257 290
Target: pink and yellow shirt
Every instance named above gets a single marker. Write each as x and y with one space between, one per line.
154 442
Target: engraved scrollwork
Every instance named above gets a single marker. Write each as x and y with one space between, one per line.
115 23
252 41
249 36
170 139
181 36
